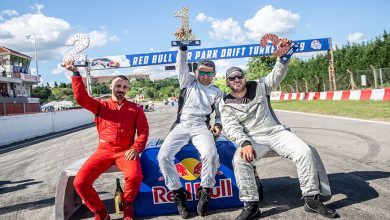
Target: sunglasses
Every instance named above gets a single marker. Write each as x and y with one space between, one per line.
203 73
234 77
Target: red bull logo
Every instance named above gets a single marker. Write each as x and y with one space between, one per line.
162 195
190 169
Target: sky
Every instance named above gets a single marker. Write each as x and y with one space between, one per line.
123 27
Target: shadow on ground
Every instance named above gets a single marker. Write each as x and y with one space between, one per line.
282 194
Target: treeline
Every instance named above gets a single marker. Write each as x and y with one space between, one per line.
156 90
375 53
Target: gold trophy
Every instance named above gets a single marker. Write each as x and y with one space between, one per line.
184 35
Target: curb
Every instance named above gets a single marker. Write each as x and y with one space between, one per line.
366 94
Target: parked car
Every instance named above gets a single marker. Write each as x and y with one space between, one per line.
105 62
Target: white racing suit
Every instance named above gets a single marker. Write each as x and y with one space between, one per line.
254 122
192 124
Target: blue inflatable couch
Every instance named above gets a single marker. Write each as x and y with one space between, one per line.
155 199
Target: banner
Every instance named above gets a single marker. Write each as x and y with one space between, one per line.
229 52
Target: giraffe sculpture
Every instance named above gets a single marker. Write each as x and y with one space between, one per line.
184 32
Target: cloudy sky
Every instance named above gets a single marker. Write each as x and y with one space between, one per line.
130 27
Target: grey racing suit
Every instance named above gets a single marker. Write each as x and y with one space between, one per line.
192 125
254 123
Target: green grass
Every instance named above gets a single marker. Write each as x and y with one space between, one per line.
373 110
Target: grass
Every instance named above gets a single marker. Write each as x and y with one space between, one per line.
372 110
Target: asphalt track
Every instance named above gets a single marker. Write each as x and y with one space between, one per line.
356 154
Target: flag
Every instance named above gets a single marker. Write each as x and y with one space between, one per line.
30 38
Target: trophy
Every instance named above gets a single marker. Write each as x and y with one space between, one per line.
283 51
79 42
184 35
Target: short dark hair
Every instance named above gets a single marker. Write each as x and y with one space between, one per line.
207 63
122 77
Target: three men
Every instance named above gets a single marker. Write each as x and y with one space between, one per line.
198 98
117 121
250 122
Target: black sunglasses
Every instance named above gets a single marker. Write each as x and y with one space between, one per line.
234 77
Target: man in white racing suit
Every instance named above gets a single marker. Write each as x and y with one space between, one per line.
198 99
248 120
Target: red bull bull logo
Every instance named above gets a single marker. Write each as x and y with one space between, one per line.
190 169
162 195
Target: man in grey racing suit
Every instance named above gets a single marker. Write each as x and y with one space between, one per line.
200 98
248 120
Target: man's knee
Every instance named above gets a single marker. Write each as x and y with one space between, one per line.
80 183
304 152
162 157
133 178
237 160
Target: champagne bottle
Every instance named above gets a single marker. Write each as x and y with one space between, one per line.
259 185
118 198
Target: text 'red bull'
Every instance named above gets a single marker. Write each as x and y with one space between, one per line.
161 194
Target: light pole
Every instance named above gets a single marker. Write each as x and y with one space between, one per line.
31 37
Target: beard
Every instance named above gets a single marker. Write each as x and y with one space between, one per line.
237 88
119 95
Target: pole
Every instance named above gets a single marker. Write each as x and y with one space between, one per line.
35 52
88 75
332 78
375 78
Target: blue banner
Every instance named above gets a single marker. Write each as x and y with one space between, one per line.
169 57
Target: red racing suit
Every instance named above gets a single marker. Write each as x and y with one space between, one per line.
117 126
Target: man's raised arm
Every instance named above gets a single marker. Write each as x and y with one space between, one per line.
80 94
185 78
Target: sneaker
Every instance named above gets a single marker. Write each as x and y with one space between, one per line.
128 211
204 196
180 196
251 211
314 205
101 215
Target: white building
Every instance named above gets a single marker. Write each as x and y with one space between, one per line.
16 82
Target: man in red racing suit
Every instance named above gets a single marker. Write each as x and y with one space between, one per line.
117 121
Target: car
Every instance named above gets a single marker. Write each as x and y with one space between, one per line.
105 62
113 63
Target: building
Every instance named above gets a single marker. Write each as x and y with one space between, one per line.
107 79
16 83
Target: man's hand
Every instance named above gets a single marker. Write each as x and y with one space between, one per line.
69 66
248 153
216 131
131 154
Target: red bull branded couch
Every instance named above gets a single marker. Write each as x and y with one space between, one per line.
154 198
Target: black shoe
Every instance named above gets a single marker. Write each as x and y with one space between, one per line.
314 205
180 196
251 211
204 196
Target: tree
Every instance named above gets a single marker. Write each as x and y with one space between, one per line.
41 92
100 88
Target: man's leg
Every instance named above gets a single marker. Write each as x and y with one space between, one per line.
204 142
172 144
132 172
99 162
246 182
290 146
